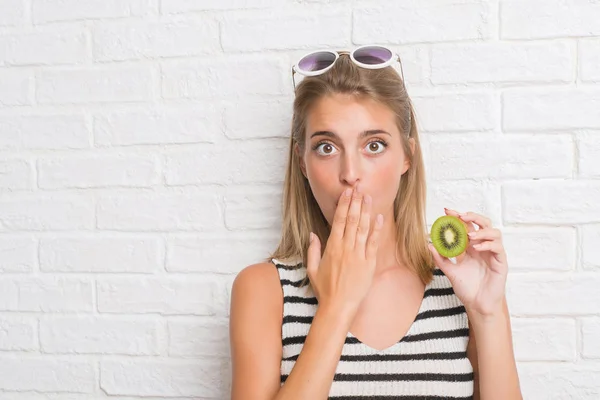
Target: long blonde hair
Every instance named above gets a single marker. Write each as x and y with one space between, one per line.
301 213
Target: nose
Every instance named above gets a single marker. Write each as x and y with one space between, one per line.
350 170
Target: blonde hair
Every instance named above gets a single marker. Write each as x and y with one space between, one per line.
301 213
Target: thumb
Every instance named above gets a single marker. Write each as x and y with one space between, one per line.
313 256
443 263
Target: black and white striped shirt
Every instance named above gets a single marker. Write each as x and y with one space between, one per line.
429 362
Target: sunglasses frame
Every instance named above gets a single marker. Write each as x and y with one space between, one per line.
395 57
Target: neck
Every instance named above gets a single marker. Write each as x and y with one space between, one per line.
388 255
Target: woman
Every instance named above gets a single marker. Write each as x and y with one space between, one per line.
355 303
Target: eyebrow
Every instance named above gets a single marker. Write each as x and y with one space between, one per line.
362 134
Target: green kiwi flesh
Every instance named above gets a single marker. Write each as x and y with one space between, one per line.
449 236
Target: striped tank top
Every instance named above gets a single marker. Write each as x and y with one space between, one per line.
429 362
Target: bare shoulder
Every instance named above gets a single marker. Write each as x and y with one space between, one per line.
255 332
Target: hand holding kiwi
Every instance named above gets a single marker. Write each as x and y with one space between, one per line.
449 236
343 276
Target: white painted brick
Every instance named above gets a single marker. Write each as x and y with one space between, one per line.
127 41
422 23
121 84
589 154
226 77
549 19
59 131
32 373
213 253
520 156
48 294
101 254
18 333
46 213
538 249
206 378
17 254
286 30
56 46
165 295
13 12
563 293
161 126
228 162
551 202
16 175
99 335
53 396
551 108
248 207
589 60
14 88
457 112
257 119
537 339
66 10
89 171
502 62
199 338
152 212
183 6
558 381
590 334
590 238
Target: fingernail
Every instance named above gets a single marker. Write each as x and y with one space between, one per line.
348 192
312 236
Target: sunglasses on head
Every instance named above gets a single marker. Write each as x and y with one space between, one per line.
368 56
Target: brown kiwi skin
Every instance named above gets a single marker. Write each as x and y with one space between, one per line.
439 247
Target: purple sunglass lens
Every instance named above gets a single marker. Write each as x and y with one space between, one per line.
373 55
316 61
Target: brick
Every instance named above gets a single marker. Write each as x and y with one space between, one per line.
521 156
136 40
165 378
17 254
225 77
422 23
48 294
13 12
18 333
590 334
559 381
252 208
68 10
540 249
106 84
550 109
43 47
162 126
572 294
551 202
199 338
228 162
99 335
42 213
285 30
551 19
14 88
159 212
539 339
16 175
502 62
47 375
588 146
85 171
165 296
457 112
590 237
589 60
243 117
184 253
44 132
101 254
183 6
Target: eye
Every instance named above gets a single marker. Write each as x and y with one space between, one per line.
326 146
377 143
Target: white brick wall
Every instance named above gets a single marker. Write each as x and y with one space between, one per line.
142 147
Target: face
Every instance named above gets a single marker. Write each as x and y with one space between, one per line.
351 141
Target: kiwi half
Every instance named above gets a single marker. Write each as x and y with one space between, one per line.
449 236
